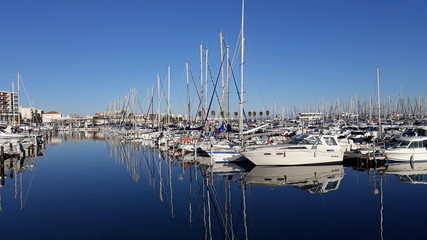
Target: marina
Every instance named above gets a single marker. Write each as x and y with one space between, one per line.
271 120
108 188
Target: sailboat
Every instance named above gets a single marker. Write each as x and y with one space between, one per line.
232 152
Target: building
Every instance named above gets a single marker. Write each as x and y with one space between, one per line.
9 111
51 116
30 114
312 116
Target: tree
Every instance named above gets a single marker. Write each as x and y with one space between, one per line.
254 114
236 114
213 113
260 115
250 114
267 113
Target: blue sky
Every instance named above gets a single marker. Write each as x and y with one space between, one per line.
77 56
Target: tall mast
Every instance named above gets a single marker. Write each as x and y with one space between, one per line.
158 101
19 100
241 74
169 93
379 104
188 94
227 91
222 69
206 81
201 77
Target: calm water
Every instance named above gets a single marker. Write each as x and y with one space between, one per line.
87 187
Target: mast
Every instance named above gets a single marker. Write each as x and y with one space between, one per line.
19 100
201 77
222 69
379 104
241 74
188 95
169 93
158 102
227 91
206 81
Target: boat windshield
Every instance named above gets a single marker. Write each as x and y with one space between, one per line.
401 144
303 140
416 144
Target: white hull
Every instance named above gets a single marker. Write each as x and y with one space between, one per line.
272 156
408 149
225 156
406 155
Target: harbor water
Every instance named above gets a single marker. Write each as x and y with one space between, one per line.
90 186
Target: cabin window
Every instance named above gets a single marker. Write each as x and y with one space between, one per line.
401 144
330 141
416 145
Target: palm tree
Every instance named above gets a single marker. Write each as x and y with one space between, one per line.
236 114
267 113
250 114
260 115
254 114
213 113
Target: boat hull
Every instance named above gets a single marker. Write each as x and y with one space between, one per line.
293 156
403 155
226 156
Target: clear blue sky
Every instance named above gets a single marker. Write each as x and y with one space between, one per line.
77 56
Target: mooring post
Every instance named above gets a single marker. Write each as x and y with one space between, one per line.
2 153
2 167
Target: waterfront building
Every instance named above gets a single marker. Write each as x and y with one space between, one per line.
51 116
9 107
30 114
314 116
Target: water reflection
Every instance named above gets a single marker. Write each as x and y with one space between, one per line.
409 172
129 155
213 201
12 171
313 179
74 136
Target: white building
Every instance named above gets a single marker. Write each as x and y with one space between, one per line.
51 116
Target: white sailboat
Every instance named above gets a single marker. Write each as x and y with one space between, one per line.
231 152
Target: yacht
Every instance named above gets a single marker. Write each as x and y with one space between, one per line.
408 149
300 150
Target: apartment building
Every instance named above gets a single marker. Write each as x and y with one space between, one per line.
9 110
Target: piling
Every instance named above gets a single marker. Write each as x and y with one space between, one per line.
2 175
